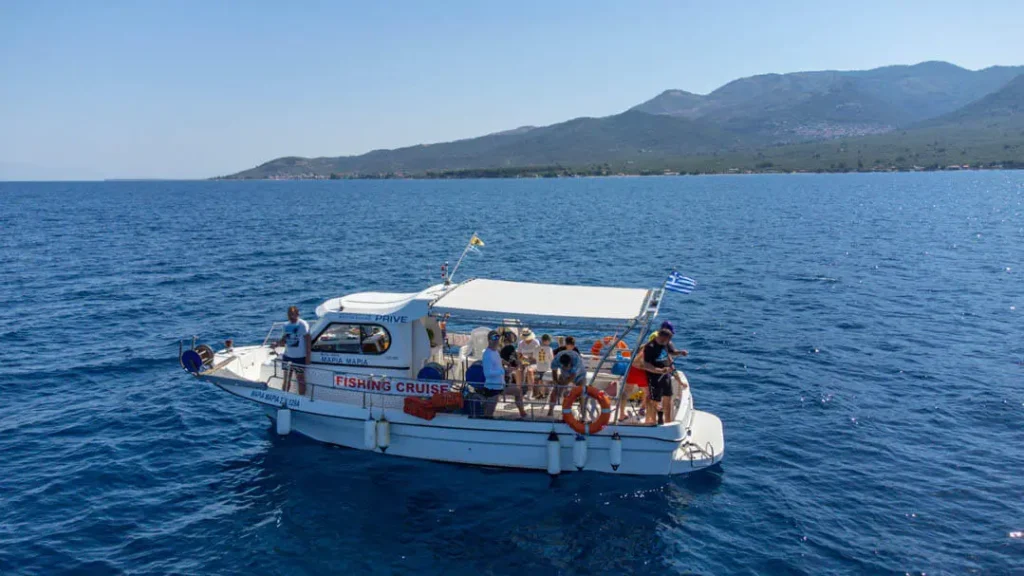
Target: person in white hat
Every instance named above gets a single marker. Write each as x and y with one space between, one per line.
528 348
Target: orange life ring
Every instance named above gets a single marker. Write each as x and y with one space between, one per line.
595 426
595 350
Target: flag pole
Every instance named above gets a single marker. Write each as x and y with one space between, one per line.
661 298
459 262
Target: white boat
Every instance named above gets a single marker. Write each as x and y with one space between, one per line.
372 351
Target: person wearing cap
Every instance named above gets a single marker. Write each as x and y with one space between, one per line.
494 378
656 358
527 350
641 383
673 352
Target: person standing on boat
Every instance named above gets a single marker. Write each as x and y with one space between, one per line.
494 378
640 375
296 341
656 359
674 353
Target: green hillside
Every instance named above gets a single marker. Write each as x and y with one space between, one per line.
985 133
928 115
630 135
899 95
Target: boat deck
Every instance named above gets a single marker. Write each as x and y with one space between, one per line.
536 409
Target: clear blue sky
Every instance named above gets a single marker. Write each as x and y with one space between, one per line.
191 89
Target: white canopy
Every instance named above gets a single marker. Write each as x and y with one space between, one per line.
555 302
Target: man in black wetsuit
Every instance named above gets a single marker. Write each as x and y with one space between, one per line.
656 359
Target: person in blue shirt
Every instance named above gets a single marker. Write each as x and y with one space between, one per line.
494 378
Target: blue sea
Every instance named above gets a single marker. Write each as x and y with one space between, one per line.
861 337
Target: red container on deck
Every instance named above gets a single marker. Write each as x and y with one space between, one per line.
419 407
446 401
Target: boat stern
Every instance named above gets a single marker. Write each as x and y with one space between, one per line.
704 446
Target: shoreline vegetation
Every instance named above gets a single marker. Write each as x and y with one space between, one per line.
604 171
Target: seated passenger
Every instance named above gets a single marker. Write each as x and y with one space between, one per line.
510 359
527 350
572 371
565 343
543 366
494 378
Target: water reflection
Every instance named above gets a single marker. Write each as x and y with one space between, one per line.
335 507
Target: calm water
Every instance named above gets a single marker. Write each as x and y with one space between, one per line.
861 336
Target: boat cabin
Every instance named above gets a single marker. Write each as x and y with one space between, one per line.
441 332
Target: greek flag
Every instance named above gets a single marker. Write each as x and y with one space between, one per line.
678 283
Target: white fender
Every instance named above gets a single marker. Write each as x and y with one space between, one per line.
554 454
284 421
579 452
383 434
370 434
615 452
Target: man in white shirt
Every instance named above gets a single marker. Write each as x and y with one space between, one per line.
494 378
297 349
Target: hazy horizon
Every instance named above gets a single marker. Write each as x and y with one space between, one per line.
187 90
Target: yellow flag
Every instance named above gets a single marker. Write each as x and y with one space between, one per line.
476 241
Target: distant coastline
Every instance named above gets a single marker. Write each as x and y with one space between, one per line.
560 172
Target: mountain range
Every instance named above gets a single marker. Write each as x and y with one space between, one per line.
798 120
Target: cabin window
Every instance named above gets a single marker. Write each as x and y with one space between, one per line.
353 339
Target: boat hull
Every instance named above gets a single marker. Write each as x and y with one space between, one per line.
676 448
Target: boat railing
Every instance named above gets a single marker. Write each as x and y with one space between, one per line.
389 392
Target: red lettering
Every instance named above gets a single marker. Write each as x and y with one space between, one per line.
413 387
